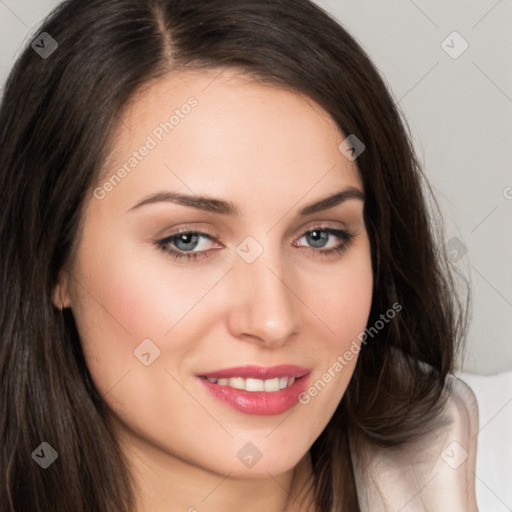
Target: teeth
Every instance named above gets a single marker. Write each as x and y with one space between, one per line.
254 385
269 385
237 383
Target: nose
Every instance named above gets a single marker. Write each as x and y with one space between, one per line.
264 306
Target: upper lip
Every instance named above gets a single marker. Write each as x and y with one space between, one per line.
259 372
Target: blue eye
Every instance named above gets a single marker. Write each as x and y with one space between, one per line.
321 237
186 240
183 245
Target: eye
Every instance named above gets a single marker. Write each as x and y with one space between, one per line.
325 238
186 244
192 245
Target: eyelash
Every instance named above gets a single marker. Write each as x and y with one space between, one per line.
164 244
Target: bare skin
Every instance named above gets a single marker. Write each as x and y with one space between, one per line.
271 152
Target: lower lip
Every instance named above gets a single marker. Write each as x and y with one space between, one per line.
262 403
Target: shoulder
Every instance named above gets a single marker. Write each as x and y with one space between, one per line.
435 471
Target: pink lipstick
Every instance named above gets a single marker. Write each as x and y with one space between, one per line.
257 390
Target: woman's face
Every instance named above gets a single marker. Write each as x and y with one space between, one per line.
255 293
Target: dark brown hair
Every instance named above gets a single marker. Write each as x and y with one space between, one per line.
55 120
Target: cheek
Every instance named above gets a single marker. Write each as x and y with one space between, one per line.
124 294
115 306
130 285
342 304
342 297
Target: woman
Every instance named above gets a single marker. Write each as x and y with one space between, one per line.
224 287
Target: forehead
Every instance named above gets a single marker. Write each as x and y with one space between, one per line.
223 132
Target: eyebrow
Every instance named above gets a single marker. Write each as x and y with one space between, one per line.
220 206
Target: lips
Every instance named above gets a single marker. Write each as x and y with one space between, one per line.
257 389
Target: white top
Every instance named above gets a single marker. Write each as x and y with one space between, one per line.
433 473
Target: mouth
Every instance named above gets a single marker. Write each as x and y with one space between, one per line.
254 385
256 389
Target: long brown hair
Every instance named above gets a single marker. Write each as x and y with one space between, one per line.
55 120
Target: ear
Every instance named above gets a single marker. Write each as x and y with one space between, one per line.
61 297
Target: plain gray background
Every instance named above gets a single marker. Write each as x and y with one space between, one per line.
459 109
